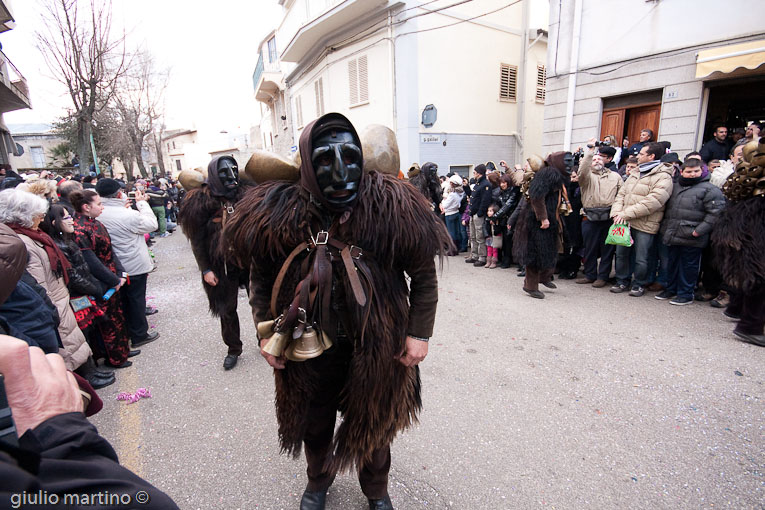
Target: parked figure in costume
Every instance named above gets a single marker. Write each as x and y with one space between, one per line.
343 241
546 193
739 242
203 213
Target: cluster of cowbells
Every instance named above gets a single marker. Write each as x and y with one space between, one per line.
749 178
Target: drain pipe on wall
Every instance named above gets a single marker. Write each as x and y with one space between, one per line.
573 67
520 120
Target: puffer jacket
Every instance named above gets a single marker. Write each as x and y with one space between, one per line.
692 208
642 198
76 350
599 189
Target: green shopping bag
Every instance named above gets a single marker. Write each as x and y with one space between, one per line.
619 234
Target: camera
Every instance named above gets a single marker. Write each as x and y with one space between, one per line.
605 143
131 194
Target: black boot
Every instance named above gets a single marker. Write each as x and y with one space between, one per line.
381 504
313 500
95 378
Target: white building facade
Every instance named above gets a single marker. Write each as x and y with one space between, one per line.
676 67
458 84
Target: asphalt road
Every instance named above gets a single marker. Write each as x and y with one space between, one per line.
583 400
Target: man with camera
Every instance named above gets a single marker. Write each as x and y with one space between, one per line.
599 187
127 227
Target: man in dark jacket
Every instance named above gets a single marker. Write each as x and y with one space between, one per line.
691 212
480 199
718 147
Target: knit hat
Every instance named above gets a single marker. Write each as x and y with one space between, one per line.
480 169
456 180
106 187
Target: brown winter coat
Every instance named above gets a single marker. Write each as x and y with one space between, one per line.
76 349
641 199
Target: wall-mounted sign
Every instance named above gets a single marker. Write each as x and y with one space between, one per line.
429 115
430 138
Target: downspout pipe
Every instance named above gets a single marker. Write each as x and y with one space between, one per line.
572 74
520 119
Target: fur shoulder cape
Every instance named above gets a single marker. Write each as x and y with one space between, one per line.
201 220
739 243
394 226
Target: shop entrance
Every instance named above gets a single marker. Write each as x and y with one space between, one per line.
734 104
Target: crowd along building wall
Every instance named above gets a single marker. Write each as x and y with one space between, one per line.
625 65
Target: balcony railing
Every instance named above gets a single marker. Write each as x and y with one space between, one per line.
258 72
13 77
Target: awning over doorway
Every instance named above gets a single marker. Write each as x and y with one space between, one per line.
728 58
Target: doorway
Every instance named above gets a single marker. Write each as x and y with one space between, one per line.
734 104
626 116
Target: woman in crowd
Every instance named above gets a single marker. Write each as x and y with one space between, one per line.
93 320
509 196
450 207
96 246
23 212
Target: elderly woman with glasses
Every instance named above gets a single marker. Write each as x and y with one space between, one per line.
23 212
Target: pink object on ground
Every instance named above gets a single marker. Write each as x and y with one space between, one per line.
131 398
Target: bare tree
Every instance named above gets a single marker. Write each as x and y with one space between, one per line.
82 53
139 101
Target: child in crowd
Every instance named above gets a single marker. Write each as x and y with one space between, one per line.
492 231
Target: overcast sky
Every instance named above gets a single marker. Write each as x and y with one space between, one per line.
211 48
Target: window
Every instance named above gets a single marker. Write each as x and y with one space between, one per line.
38 157
508 77
173 144
178 165
168 146
272 50
318 87
358 81
299 111
541 83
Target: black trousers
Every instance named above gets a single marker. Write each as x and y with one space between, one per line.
594 234
751 309
711 278
134 307
507 247
229 323
373 477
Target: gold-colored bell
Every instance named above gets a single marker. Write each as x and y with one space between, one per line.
276 344
754 171
265 329
306 347
758 160
760 184
749 150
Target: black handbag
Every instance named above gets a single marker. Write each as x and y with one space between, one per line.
598 213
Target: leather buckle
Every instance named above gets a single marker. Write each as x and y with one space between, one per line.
356 252
321 238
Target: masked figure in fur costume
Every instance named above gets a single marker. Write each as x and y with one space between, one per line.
739 243
540 241
426 180
202 215
336 247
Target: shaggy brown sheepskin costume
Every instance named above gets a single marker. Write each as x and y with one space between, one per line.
393 225
739 242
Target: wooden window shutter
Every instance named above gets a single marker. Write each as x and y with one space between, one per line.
318 87
508 78
299 111
541 83
353 81
363 80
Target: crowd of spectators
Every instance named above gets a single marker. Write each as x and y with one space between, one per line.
85 244
671 206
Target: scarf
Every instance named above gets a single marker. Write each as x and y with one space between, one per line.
58 262
684 181
647 167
